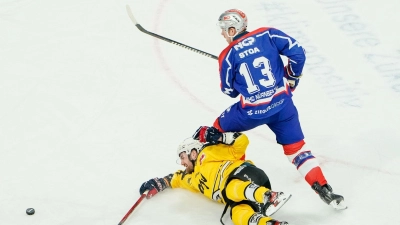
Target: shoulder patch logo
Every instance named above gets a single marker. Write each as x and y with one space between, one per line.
202 157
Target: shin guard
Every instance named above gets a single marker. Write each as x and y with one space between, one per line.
238 190
305 162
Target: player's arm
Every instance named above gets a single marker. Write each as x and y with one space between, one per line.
155 185
295 53
290 48
227 73
238 143
181 179
212 135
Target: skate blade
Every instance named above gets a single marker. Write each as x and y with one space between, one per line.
341 205
273 209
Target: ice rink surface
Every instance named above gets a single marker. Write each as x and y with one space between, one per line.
91 108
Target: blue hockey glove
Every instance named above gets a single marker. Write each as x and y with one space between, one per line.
207 134
293 80
154 186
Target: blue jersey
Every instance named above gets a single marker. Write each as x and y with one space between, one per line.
252 67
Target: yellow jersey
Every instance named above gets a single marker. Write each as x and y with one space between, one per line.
213 165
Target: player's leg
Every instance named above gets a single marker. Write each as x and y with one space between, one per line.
244 213
286 126
248 182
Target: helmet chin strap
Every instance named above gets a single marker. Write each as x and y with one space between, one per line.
193 160
231 37
194 163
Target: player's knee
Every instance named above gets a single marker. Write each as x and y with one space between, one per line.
241 214
297 153
267 184
244 214
293 148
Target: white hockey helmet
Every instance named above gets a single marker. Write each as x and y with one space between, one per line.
188 145
233 18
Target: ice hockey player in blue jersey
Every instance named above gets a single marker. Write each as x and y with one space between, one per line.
252 67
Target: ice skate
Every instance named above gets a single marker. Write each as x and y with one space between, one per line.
275 222
326 194
273 201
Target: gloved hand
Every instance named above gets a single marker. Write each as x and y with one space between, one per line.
293 80
207 134
154 186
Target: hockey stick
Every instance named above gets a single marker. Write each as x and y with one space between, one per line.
133 207
128 9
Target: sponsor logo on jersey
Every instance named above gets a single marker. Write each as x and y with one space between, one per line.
240 168
276 104
245 43
263 111
202 184
264 94
202 157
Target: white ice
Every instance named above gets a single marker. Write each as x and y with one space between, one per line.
91 107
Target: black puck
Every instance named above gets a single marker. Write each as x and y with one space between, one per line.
30 211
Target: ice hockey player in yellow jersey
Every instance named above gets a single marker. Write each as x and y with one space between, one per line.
215 166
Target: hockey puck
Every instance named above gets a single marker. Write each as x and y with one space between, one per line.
30 211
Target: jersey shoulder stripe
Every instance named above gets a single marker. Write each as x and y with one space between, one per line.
224 52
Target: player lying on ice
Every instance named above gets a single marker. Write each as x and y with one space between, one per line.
223 175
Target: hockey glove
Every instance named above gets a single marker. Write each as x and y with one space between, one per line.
207 134
154 186
293 80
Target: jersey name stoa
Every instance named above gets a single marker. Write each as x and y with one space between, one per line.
248 52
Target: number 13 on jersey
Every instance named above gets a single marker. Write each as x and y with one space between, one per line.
267 79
